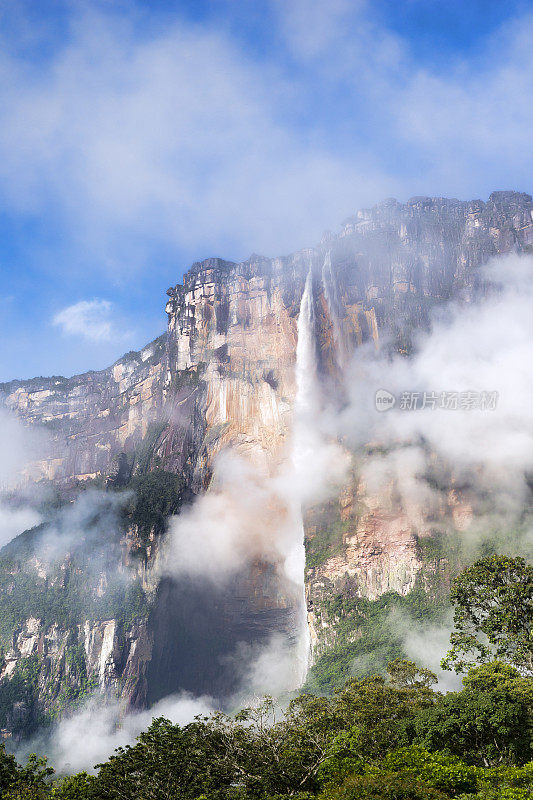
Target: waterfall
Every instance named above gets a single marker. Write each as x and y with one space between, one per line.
306 403
334 305
304 435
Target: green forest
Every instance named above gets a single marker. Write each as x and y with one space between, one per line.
381 737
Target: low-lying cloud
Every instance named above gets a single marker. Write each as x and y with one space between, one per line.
80 741
20 447
485 345
247 515
14 521
92 523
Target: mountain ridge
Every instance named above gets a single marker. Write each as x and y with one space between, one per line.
222 378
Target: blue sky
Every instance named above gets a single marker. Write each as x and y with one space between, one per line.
136 138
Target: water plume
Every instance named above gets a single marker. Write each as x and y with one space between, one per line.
305 410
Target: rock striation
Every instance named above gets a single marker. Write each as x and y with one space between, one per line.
223 375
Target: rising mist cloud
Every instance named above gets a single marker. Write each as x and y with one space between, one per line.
20 446
80 741
486 345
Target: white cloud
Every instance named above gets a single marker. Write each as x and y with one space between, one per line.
90 319
181 136
16 520
427 644
466 127
476 111
177 136
20 446
91 735
485 346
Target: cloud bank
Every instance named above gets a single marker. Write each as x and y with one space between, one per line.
483 346
19 447
91 735
135 134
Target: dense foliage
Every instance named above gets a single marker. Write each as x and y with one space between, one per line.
157 496
392 738
493 614
369 634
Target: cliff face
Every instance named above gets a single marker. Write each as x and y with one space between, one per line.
229 351
223 375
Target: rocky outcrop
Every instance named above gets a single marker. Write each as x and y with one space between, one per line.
228 354
223 375
90 418
112 657
61 667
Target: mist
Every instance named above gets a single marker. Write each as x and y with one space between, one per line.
483 346
20 448
88 737
92 522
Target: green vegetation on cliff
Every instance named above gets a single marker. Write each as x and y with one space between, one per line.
378 737
324 534
157 496
386 739
368 634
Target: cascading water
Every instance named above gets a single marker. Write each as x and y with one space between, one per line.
334 305
304 435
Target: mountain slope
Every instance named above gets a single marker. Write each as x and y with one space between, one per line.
223 376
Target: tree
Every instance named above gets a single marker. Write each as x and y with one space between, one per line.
383 786
9 769
406 674
384 712
165 763
493 614
20 782
284 756
489 723
441 771
75 787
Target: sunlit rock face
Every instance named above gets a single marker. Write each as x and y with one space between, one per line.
223 376
233 326
90 418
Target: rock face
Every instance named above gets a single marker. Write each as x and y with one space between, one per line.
223 375
232 332
113 657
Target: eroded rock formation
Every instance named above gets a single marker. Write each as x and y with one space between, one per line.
223 375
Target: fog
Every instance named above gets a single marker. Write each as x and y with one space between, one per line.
88 737
20 447
483 346
252 512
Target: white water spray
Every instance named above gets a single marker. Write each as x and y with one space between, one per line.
306 408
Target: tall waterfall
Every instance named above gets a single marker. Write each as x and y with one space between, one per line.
333 301
306 404
304 435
